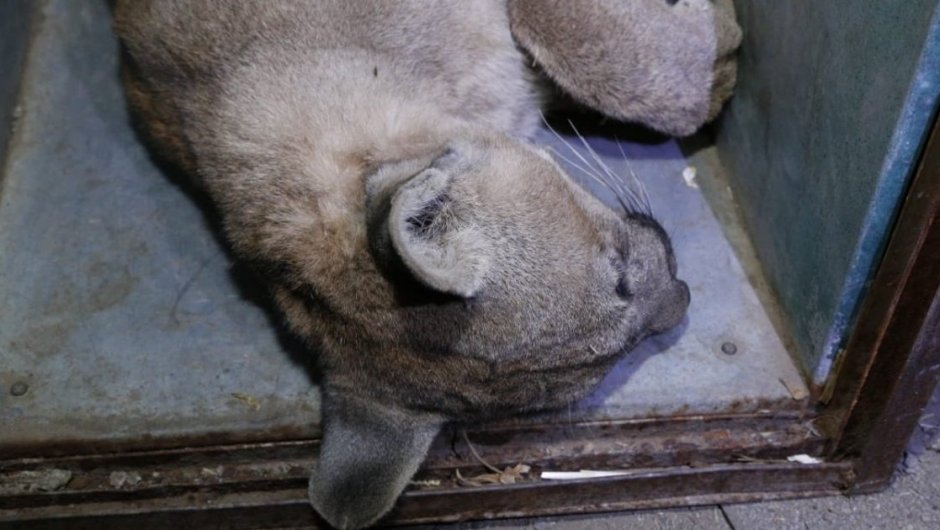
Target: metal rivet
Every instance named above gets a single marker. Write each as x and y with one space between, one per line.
19 388
729 348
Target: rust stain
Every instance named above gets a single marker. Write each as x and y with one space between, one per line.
103 286
111 283
249 400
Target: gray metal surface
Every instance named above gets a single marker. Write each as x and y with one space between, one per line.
118 306
123 318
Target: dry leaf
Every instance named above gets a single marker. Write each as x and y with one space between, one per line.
509 475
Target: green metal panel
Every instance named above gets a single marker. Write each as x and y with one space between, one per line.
832 104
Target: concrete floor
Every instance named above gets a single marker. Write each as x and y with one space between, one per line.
912 503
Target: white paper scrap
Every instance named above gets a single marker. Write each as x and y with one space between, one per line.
804 459
577 475
688 175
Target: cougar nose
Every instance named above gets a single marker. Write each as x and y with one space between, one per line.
684 295
673 308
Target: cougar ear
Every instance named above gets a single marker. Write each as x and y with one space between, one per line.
368 454
433 230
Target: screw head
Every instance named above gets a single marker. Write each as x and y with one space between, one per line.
729 348
19 388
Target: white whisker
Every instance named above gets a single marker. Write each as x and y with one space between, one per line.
562 140
631 196
603 176
639 183
590 171
593 153
595 177
575 165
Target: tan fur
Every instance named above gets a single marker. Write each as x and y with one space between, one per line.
667 65
369 158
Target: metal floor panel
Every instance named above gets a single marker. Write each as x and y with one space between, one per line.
685 370
123 319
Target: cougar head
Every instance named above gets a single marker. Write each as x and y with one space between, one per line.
491 284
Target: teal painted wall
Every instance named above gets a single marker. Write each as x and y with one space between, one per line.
832 104
15 20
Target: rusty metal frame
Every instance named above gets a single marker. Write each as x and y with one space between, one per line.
695 459
891 366
892 360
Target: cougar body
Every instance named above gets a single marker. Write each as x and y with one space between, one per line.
370 159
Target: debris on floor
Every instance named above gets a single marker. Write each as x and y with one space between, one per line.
250 401
577 475
119 479
45 480
688 175
804 459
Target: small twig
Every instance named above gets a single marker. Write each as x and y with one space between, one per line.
476 455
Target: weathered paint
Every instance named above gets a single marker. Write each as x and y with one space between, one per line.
830 110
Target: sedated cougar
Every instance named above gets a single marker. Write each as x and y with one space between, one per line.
370 158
